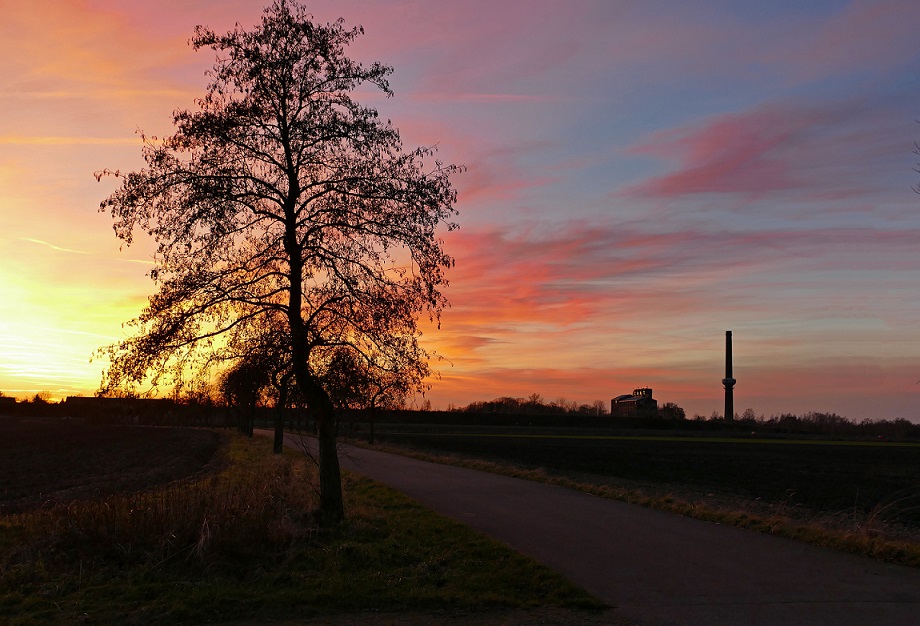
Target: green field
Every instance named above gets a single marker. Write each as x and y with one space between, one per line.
836 477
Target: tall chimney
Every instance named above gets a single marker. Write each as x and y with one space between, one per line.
728 381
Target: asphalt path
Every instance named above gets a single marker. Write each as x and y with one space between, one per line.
656 567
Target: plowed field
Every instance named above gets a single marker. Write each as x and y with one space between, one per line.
43 462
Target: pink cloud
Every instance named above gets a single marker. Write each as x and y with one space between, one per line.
728 154
867 35
816 151
597 278
485 98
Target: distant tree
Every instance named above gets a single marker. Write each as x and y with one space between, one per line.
266 349
360 382
283 196
203 397
564 405
671 411
829 423
534 404
364 386
242 387
598 407
42 397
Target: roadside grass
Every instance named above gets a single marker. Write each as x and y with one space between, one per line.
863 534
242 544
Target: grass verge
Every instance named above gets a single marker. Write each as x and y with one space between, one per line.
863 535
241 545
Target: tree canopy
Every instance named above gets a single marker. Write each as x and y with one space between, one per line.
287 218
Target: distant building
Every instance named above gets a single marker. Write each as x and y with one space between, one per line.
638 404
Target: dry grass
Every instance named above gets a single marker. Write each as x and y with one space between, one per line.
199 520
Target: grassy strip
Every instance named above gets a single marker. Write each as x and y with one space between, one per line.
868 538
242 545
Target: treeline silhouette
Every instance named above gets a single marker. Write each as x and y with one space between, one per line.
504 411
818 423
533 405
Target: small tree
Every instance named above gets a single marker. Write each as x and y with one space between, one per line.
283 197
265 349
671 411
42 398
364 382
242 387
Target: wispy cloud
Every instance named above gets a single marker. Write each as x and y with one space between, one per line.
96 94
52 246
486 98
67 141
818 148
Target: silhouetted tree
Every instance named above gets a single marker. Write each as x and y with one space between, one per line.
598 407
282 195
364 382
242 387
266 348
535 405
671 411
42 397
748 415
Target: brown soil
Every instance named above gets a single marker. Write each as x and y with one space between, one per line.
46 462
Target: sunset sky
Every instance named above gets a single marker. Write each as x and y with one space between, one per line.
642 177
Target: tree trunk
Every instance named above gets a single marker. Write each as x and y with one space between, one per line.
331 505
370 435
279 431
282 387
279 417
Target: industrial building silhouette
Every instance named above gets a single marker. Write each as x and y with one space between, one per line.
638 404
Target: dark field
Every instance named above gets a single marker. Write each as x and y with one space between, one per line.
881 479
44 462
